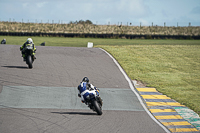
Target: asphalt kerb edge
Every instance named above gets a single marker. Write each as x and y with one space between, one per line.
176 117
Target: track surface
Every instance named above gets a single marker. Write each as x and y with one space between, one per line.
33 100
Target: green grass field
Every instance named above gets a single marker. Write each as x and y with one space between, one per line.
173 70
171 66
82 42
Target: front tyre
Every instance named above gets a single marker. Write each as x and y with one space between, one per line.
29 62
97 107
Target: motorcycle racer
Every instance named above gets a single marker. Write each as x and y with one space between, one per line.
85 88
3 41
22 48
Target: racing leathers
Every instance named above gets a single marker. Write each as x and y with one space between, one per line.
22 48
84 90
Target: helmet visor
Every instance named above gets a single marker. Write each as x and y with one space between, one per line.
29 42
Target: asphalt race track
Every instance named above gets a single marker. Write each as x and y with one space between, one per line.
44 99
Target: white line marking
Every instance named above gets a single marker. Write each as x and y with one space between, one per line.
133 89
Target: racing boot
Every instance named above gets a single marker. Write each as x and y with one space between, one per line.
24 57
34 57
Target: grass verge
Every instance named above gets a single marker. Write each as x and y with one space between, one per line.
173 70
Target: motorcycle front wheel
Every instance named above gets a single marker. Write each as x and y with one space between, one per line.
97 107
29 61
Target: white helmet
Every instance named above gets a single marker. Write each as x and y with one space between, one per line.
29 41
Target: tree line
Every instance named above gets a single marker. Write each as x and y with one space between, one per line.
81 22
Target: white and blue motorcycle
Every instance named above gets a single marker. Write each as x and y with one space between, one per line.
95 102
92 98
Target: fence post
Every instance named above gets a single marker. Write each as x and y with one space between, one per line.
189 24
152 24
164 24
177 24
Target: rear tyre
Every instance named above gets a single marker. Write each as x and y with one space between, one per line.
29 62
97 107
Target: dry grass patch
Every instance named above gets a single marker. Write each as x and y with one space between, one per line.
97 29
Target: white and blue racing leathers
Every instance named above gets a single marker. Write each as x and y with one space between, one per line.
85 89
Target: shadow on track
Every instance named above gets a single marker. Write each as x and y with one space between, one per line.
74 113
20 67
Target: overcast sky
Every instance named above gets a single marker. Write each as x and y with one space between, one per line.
103 11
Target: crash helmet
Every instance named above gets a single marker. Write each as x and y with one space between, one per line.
85 79
29 41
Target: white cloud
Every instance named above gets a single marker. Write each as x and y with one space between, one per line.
25 5
134 8
41 4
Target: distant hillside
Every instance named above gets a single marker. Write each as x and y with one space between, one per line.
97 29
